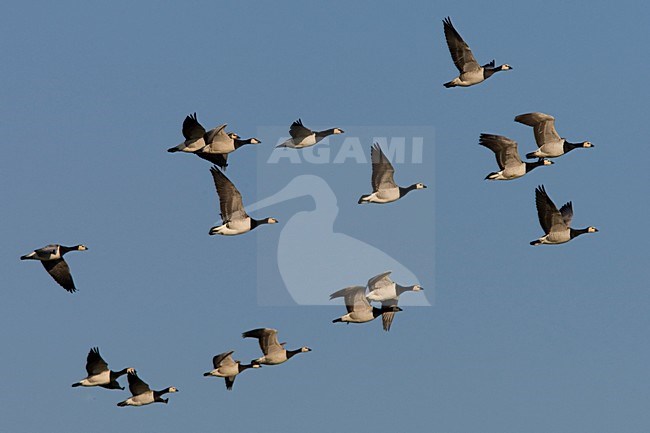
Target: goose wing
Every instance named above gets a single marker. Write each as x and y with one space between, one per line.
136 385
549 217
382 170
230 200
217 140
95 364
192 129
60 271
379 281
218 159
543 127
267 338
388 316
504 149
567 213
354 298
223 359
459 50
47 251
298 130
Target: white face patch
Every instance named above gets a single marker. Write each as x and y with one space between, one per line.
592 230
272 221
587 144
548 162
338 131
255 141
82 248
172 389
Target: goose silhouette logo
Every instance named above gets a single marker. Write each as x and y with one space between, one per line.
313 260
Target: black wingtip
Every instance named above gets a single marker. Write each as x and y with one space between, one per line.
74 385
535 242
449 84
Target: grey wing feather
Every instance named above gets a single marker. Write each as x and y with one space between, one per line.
387 317
543 127
217 134
192 129
267 338
504 149
354 298
95 364
382 170
223 359
459 50
136 385
567 213
549 217
46 250
60 271
230 201
298 130
218 159
379 281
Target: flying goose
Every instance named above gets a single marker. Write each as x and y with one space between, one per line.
218 141
508 158
384 188
274 352
226 367
360 310
142 394
470 71
51 257
99 374
382 288
221 159
235 219
302 136
555 223
548 140
194 133
213 145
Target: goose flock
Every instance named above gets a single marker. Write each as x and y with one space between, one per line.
215 145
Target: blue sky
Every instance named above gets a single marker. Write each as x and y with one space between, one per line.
517 338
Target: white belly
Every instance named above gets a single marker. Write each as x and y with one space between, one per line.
141 399
102 378
232 228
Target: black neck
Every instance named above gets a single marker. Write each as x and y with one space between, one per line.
64 249
290 353
401 289
158 394
239 143
404 191
532 165
568 147
487 72
321 134
255 223
243 367
117 374
578 232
